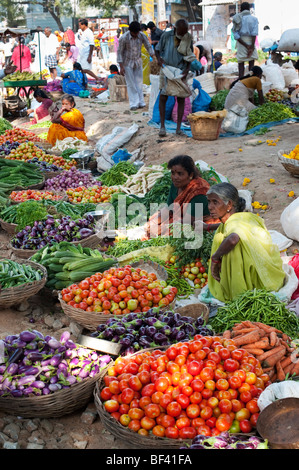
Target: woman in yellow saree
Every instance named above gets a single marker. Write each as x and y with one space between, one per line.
66 122
243 256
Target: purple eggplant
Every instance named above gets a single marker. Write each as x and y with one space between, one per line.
53 343
150 330
145 341
55 360
70 379
12 369
35 356
38 384
159 338
26 380
16 393
65 337
16 356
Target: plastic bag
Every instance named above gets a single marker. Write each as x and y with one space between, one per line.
289 72
286 292
289 220
203 99
280 240
122 155
276 391
110 143
203 166
294 262
273 74
154 79
289 41
187 110
168 109
236 120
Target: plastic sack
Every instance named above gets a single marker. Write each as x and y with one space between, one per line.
289 41
294 262
203 166
236 120
273 74
231 68
276 391
289 220
203 99
110 143
103 97
280 240
187 110
168 109
154 79
289 72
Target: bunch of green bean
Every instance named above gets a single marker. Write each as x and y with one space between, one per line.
257 305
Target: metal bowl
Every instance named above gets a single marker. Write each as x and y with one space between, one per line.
98 214
279 424
84 156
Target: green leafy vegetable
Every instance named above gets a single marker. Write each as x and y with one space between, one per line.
117 175
28 212
4 125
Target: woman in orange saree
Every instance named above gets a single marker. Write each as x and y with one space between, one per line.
66 122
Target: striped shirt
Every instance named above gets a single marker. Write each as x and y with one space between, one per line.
129 49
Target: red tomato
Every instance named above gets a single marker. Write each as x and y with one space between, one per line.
182 422
173 409
252 406
172 432
204 430
253 419
111 406
187 433
206 412
152 410
223 423
183 400
237 354
245 396
231 365
136 413
105 394
207 373
127 395
211 422
242 414
161 384
147 423
222 384
195 367
225 406
148 390
245 425
135 383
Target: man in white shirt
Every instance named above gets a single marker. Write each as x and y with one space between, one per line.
130 62
52 46
245 30
86 47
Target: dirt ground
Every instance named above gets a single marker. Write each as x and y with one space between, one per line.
235 158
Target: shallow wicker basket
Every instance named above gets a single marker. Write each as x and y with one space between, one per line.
10 229
135 440
290 164
194 311
63 197
16 295
54 405
52 174
89 320
33 186
93 241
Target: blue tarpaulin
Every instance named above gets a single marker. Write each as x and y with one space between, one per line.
170 127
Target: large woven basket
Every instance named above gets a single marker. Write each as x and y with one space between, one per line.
207 126
290 164
133 439
33 186
194 311
62 195
54 405
22 254
10 229
89 320
16 295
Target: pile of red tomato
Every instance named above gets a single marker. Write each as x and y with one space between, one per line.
19 135
95 194
119 291
36 195
205 386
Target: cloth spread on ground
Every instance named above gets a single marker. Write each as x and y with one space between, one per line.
72 125
171 126
249 264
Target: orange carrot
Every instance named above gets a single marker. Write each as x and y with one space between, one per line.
254 351
251 337
287 346
285 337
274 358
238 326
270 352
273 337
287 361
267 328
295 368
243 331
280 372
288 368
261 344
226 334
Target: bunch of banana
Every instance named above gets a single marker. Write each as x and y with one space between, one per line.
22 76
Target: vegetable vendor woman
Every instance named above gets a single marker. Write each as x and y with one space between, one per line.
243 256
66 122
242 90
187 195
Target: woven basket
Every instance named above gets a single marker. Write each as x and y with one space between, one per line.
10 229
56 193
54 405
52 174
290 164
206 129
194 311
33 186
135 440
91 242
16 295
152 266
90 320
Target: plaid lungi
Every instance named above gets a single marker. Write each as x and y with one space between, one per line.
50 61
